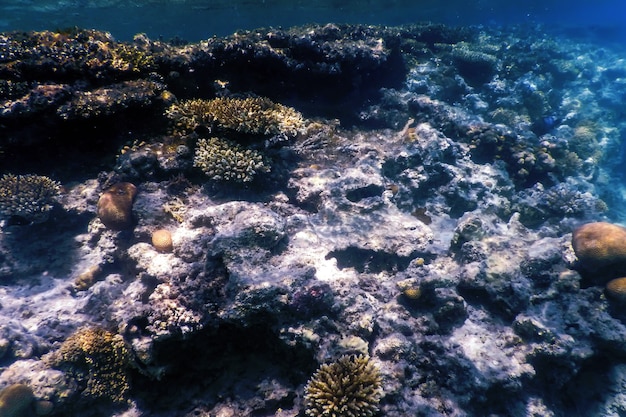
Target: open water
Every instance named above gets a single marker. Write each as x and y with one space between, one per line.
195 19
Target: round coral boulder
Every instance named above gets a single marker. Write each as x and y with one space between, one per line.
616 289
115 206
162 240
600 245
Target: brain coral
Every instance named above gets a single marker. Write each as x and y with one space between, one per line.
29 197
600 245
349 387
162 240
115 206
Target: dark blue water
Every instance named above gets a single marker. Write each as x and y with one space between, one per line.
194 20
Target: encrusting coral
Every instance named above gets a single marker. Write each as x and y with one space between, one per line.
115 206
252 115
348 387
29 197
98 361
224 160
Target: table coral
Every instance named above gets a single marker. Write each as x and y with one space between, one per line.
252 115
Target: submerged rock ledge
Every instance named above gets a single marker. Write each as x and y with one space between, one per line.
412 199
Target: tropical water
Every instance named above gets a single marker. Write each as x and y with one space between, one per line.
195 19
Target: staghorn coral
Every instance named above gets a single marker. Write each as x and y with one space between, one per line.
224 160
252 115
348 387
29 197
98 361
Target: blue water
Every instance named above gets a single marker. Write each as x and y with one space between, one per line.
194 20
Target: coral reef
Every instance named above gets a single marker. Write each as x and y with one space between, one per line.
350 387
224 160
427 213
111 100
27 197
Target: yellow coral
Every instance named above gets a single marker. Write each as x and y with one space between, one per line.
115 206
349 387
99 361
162 240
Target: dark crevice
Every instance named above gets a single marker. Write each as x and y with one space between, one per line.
370 261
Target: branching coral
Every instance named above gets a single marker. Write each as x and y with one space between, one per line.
99 362
349 387
27 196
224 160
253 115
